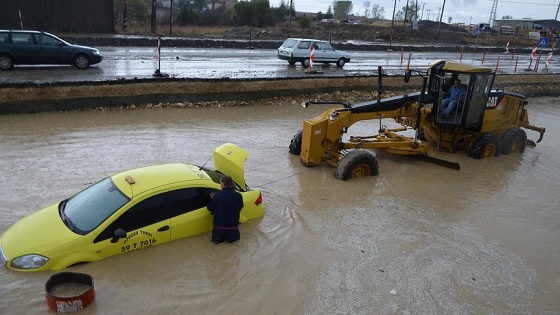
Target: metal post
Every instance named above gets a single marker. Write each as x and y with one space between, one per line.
159 53
440 17
153 19
171 18
405 13
392 23
125 16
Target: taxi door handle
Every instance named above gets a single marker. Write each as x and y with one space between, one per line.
163 228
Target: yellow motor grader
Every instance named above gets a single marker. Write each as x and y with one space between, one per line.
485 122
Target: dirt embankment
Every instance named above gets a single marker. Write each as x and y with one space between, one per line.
134 94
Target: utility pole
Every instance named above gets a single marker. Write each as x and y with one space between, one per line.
290 17
153 20
422 17
441 17
554 27
429 10
124 16
392 23
405 13
554 22
171 18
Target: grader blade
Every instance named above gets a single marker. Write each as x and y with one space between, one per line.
437 161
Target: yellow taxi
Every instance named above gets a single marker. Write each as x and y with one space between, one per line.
128 211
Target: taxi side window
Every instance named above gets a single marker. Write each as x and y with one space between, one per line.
189 199
147 212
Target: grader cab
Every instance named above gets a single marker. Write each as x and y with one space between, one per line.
483 122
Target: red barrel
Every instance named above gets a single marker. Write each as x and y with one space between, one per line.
69 291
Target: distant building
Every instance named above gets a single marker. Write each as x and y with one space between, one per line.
516 26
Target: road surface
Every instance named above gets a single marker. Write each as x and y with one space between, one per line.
140 62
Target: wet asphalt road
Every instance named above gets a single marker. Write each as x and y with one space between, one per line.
139 62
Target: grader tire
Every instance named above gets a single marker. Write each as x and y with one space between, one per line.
486 146
357 163
514 141
295 144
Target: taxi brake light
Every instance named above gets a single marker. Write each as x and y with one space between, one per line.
259 200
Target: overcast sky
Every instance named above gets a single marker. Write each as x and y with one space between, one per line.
465 11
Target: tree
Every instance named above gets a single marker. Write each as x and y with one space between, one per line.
342 9
377 12
255 13
199 4
137 10
280 13
187 16
304 22
410 13
449 19
242 13
329 14
262 13
367 4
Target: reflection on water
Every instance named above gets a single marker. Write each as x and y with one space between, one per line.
418 238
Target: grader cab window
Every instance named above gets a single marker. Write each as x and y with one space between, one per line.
479 99
452 97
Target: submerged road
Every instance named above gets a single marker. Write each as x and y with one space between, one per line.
140 62
416 239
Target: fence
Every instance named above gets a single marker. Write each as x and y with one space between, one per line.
67 16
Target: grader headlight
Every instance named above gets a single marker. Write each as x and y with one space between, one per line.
333 116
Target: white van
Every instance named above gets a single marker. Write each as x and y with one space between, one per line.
299 50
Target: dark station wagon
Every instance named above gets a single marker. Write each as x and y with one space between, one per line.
19 47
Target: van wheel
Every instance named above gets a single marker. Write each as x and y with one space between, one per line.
341 62
6 62
81 61
305 62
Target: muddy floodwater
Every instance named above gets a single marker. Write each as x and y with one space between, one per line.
416 239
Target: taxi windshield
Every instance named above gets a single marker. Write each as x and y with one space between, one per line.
86 210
